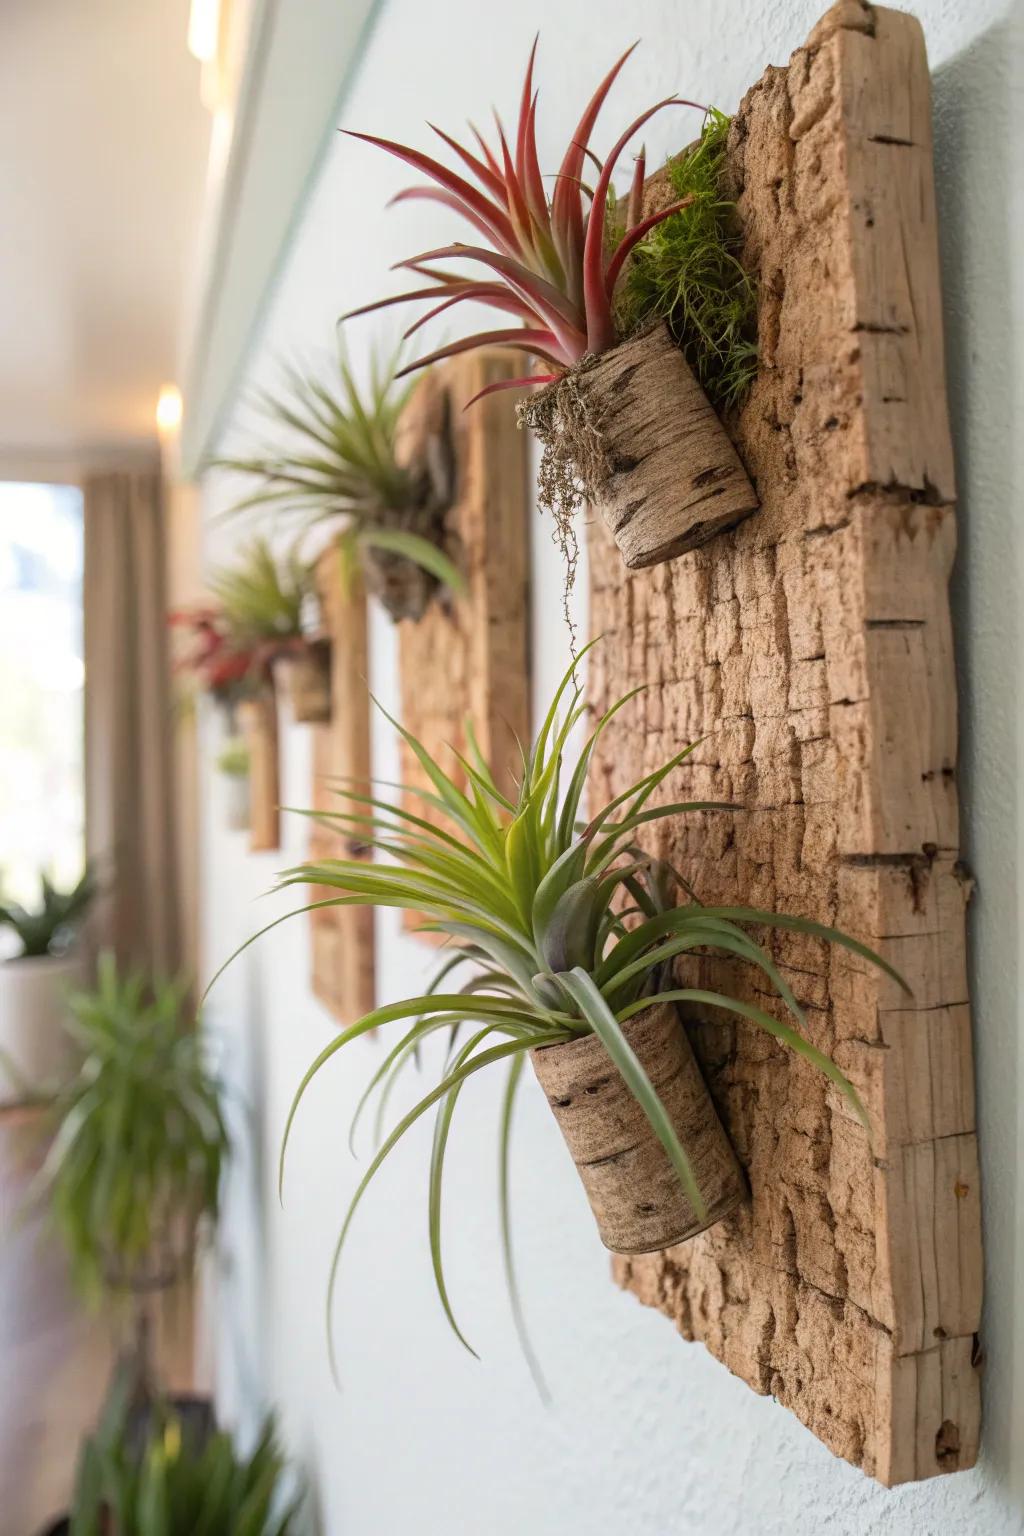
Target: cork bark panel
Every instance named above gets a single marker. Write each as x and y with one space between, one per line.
258 717
469 656
811 649
342 938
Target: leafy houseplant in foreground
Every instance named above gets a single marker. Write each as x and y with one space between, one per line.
136 1161
342 459
623 421
161 1478
574 935
35 1049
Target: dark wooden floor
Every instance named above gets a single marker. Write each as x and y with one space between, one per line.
55 1357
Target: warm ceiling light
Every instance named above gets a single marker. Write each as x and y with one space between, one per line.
168 409
203 27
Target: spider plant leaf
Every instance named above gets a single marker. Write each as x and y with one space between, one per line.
442 1127
414 547
430 1003
515 1073
608 1029
781 1031
816 930
452 1079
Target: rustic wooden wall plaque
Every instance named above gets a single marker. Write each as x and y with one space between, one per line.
258 719
812 647
342 937
472 657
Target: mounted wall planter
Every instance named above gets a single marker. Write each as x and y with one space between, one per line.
638 1202
470 657
850 1288
342 938
307 676
257 719
635 430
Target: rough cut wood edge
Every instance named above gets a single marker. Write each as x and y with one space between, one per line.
342 937
472 657
258 718
813 647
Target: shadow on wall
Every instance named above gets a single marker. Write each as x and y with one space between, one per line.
244 1281
979 163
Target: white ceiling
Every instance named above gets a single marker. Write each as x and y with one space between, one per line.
102 165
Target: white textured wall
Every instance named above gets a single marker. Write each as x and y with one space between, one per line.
647 1435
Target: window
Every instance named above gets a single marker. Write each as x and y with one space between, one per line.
42 676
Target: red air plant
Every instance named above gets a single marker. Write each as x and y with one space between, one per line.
219 664
552 265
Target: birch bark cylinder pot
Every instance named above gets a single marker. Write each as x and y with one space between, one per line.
647 447
634 1191
308 680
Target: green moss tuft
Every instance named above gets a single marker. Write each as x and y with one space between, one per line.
688 272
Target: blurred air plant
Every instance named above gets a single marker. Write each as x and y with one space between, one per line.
333 456
553 263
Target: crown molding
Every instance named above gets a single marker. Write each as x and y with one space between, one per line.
298 62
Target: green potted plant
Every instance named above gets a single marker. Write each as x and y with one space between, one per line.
151 1473
341 459
233 767
36 1051
574 933
133 1175
623 420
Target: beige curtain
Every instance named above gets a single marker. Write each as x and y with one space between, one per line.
128 752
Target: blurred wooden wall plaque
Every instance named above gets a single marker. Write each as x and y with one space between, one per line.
812 648
258 719
342 937
471 656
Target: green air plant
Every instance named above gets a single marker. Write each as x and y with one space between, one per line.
335 458
50 928
572 930
140 1141
161 1478
688 272
622 421
260 597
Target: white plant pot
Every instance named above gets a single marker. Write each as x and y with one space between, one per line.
36 1051
236 798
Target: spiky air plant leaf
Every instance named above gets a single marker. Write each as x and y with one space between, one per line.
261 594
569 928
548 261
333 457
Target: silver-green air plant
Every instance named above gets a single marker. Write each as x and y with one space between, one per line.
333 456
569 926
261 594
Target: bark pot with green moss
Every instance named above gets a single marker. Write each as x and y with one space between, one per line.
632 432
635 1194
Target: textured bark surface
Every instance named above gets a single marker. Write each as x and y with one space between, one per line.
812 648
634 1191
471 658
645 442
258 720
342 937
